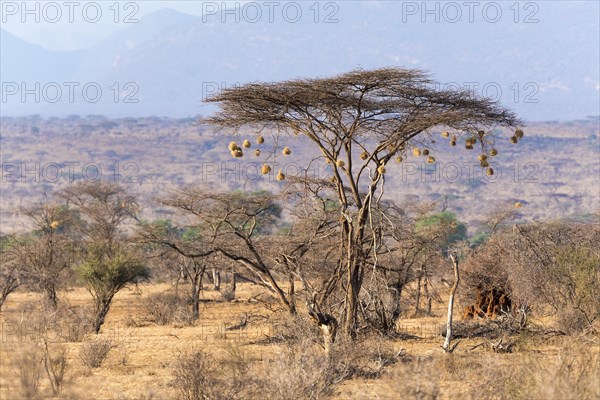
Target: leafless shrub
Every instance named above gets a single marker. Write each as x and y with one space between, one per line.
75 323
300 371
197 375
55 363
27 365
163 308
192 375
93 353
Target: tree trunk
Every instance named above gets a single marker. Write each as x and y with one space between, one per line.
328 326
216 277
51 296
196 281
291 290
102 309
418 299
446 345
352 300
427 294
233 284
354 280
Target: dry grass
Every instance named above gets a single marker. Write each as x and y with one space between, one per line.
277 357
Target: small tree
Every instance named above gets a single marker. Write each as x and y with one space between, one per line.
234 225
9 276
105 275
44 254
358 122
110 260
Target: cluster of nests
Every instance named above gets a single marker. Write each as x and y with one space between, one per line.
469 145
238 152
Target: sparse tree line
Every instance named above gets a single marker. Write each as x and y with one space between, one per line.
289 244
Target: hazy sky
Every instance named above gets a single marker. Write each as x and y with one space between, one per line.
66 35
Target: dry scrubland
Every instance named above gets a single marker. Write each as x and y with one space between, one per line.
527 250
254 362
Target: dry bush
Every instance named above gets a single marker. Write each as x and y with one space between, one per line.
71 324
166 308
55 363
554 267
192 374
557 268
418 379
300 371
27 364
197 375
93 353
573 374
303 370
75 323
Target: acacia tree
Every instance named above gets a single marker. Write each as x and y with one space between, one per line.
234 226
109 259
43 255
358 122
9 274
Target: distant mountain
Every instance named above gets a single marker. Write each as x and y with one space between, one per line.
545 71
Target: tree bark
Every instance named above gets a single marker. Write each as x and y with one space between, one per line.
418 299
102 309
216 276
446 345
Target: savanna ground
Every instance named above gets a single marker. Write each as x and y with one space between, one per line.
277 356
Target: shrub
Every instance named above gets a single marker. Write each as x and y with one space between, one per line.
27 365
93 353
192 375
163 308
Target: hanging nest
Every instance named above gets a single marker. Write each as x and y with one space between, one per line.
286 151
399 159
493 152
482 157
445 134
518 205
260 139
425 152
340 163
381 169
469 146
364 155
431 160
333 179
54 224
265 169
484 163
481 134
489 171
233 146
453 143
257 152
280 176
237 153
519 133
246 144
416 152
513 139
